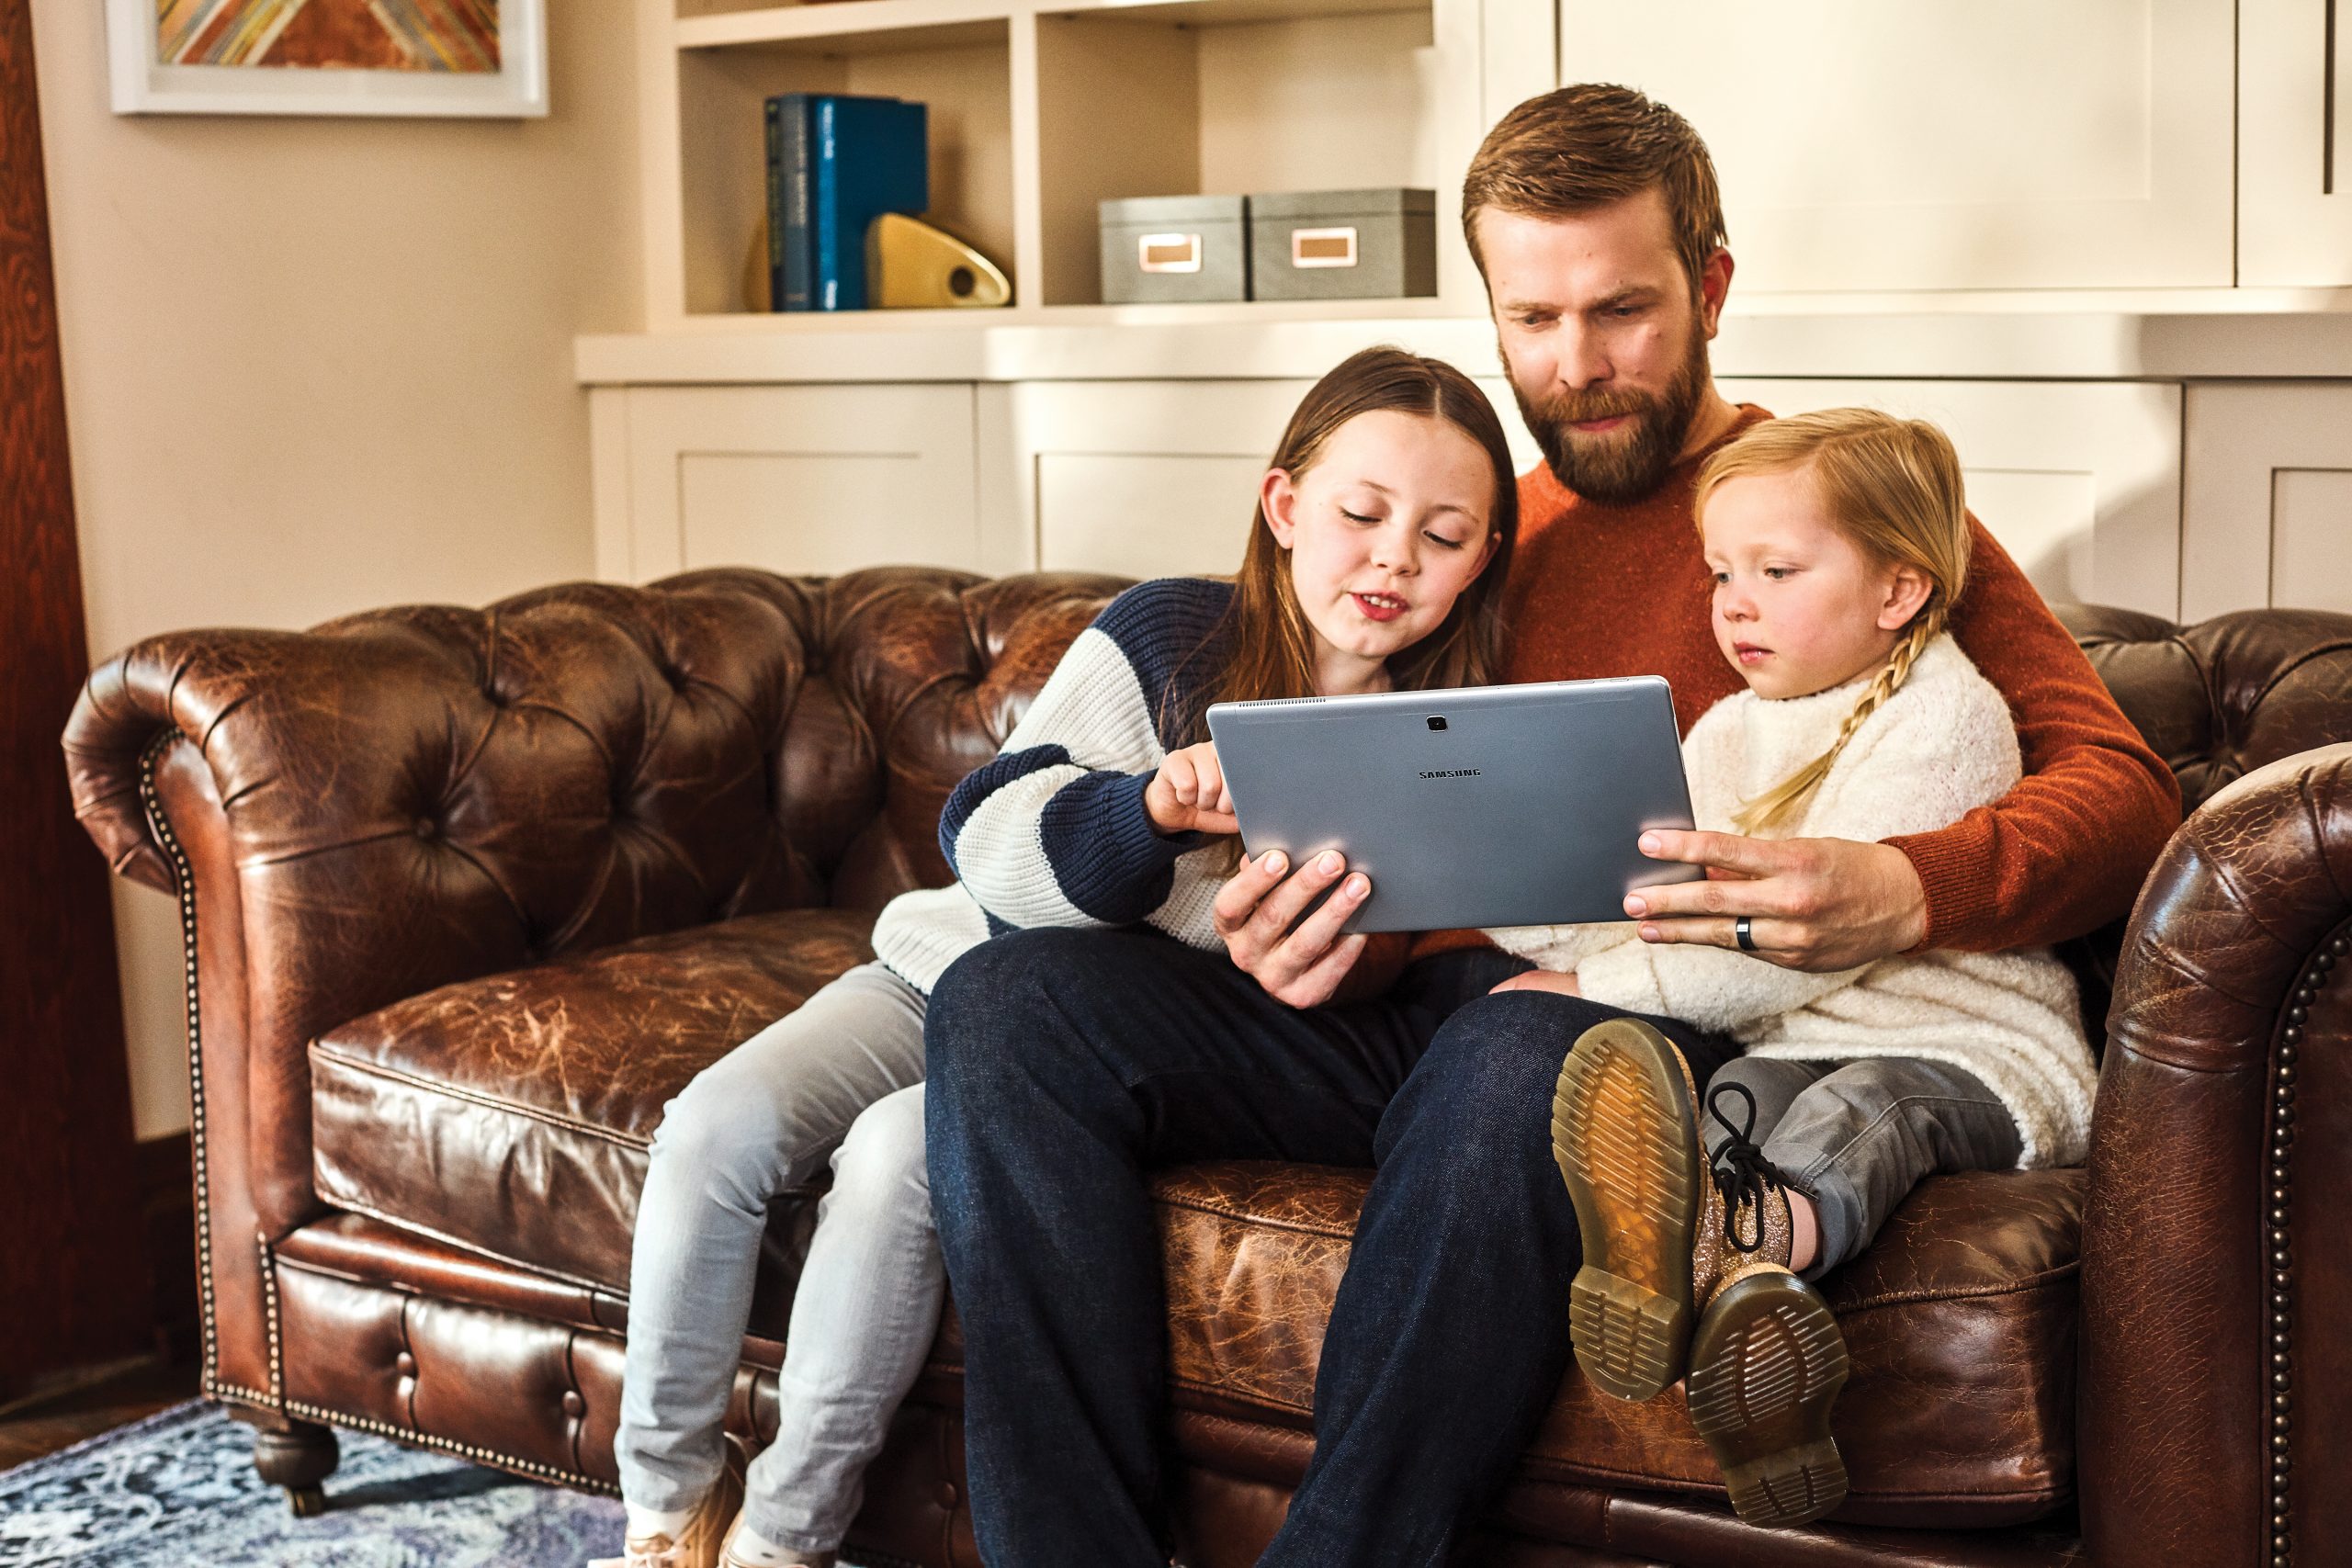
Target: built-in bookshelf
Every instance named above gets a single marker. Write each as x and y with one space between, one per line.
1039 110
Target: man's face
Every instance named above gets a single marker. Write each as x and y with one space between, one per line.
1605 344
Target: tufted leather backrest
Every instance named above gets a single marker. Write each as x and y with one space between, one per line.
588 762
2215 701
2225 697
417 796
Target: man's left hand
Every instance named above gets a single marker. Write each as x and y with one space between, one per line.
1815 904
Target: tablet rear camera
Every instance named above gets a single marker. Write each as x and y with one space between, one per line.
1436 722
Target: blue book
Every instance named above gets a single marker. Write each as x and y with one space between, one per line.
791 247
868 157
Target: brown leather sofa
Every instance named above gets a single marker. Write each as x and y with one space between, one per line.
469 895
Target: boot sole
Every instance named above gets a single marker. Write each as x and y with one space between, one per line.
1622 1135
1765 1366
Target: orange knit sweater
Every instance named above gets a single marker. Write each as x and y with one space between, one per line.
1600 591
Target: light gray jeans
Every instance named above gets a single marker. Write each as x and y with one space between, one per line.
841 1076
1862 1134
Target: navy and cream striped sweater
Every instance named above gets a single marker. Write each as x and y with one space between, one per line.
1054 832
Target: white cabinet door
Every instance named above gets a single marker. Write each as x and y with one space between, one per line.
2294 144
1945 143
2080 482
2267 508
810 479
1143 479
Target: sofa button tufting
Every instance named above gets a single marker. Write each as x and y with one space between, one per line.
404 1364
949 1494
426 828
574 1405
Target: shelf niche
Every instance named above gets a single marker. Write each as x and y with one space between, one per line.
962 71
1223 96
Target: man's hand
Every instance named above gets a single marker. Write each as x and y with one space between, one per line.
1255 912
1818 904
1539 980
1188 794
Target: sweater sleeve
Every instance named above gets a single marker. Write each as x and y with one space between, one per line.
2066 851
1054 832
1922 761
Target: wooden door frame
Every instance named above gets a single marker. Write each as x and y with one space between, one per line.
73 1290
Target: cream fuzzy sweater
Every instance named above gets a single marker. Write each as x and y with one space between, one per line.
1942 746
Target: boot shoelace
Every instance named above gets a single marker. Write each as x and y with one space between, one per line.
1740 1171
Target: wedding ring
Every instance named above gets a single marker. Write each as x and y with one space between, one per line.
1747 938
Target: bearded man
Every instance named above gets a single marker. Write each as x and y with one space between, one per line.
1065 1063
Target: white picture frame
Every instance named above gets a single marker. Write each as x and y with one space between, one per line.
142 83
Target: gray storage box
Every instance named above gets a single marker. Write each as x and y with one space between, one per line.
1343 245
1175 247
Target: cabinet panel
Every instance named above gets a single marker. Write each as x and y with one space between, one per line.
2294 144
1945 143
2310 538
2080 482
1140 478
1143 477
824 478
2267 503
1145 516
822 514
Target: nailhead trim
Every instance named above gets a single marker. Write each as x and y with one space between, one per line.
269 1309
183 884
491 1457
2282 1293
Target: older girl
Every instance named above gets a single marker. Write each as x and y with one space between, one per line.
1383 528
1839 543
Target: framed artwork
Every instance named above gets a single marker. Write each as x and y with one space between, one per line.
479 58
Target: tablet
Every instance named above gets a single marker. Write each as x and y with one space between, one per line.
1480 805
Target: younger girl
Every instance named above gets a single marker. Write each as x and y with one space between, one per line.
1839 543
1383 533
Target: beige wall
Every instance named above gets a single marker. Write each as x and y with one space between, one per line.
313 366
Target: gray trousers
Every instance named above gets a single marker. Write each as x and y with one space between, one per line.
840 1078
1862 1134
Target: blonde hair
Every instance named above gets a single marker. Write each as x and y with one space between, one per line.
1892 486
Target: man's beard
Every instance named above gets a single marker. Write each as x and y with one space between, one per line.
1625 464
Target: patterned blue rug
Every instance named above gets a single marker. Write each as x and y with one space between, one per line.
179 1488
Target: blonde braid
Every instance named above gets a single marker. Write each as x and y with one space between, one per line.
1780 805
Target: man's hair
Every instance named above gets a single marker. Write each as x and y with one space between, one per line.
1576 147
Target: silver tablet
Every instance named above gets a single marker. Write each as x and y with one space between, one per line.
1484 806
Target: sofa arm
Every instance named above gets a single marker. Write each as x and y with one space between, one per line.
2215 1234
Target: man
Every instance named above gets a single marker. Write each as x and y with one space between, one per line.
1063 1064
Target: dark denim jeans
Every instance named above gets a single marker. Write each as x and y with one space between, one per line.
1064 1064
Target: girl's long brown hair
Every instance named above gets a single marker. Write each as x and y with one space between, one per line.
1263 646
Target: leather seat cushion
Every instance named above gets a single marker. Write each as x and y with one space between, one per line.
1959 1324
512 1114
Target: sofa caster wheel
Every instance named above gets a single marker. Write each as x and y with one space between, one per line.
299 1458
